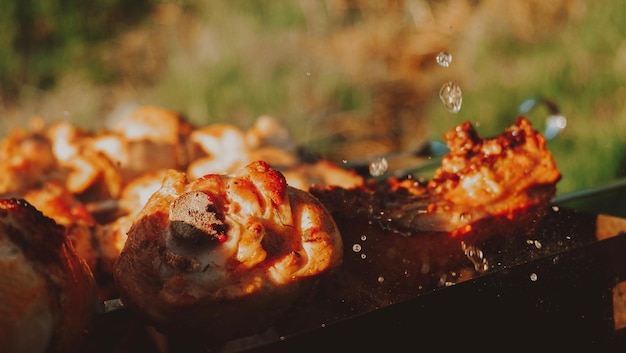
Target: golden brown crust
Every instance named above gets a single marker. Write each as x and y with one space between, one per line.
477 171
479 178
56 297
225 255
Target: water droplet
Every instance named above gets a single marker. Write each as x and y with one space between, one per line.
451 96
363 256
476 256
381 279
533 277
554 125
444 59
536 243
356 247
364 237
378 166
555 208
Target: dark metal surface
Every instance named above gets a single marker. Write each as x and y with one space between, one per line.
559 297
606 199
567 308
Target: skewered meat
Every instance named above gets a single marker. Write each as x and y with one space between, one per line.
25 159
112 234
478 178
58 203
47 293
63 168
225 255
84 170
225 148
152 139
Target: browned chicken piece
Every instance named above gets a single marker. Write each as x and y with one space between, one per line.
25 160
488 177
47 293
224 256
225 148
478 178
58 203
148 140
111 233
219 148
85 171
498 173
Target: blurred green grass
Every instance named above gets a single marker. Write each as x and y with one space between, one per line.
278 58
40 38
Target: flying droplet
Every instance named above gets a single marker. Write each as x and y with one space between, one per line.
378 166
444 59
533 277
356 247
554 125
536 243
476 256
451 96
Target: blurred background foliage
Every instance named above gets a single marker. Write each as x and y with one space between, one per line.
351 78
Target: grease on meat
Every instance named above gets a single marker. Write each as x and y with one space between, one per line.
224 256
48 293
479 178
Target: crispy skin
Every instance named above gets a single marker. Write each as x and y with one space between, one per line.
47 293
479 178
498 173
225 255
24 160
56 202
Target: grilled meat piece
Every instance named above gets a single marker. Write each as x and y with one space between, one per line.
25 159
47 293
58 203
224 256
478 178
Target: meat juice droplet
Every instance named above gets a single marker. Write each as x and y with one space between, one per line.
378 166
444 59
554 125
451 96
